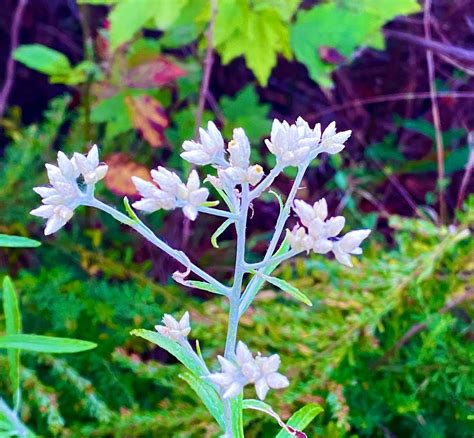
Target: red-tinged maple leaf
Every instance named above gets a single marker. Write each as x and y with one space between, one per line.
119 176
148 117
154 73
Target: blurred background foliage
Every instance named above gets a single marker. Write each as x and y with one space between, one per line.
387 348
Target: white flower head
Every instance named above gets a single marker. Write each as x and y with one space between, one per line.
170 192
299 240
293 144
209 151
89 166
174 329
349 244
268 376
192 195
332 142
62 197
240 170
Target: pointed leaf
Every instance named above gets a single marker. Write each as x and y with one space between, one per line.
45 344
43 59
203 286
237 417
288 288
13 327
300 419
7 241
178 351
207 394
219 231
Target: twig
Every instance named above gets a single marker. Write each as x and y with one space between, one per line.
208 61
468 172
10 70
416 328
435 113
393 98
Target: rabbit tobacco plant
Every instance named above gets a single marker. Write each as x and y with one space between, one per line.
238 183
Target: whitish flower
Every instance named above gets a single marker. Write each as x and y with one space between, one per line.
192 195
235 375
332 142
320 230
240 170
89 166
209 151
173 329
62 197
292 144
299 240
170 192
155 198
268 376
349 244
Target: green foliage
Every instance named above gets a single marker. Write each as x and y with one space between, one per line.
257 33
342 26
45 344
7 241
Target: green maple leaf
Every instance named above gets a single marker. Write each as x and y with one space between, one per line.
344 26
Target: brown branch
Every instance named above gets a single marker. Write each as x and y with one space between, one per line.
208 61
10 69
416 328
393 98
435 113
468 172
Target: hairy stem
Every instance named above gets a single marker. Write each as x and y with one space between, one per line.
12 417
151 237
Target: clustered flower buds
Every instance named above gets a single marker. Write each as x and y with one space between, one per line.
64 194
173 329
170 192
260 371
320 234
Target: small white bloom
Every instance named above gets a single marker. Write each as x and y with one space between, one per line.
349 244
62 197
240 170
89 166
292 144
235 375
268 375
332 142
299 240
209 151
192 195
153 198
173 329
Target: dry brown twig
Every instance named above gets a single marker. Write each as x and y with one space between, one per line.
10 66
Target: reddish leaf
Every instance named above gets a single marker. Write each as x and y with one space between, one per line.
331 55
148 117
153 73
119 176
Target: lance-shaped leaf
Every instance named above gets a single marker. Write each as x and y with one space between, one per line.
190 361
154 73
7 241
207 394
202 285
300 420
45 344
237 417
148 117
219 231
286 287
43 59
13 327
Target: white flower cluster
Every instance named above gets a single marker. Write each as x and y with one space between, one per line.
170 192
64 194
260 371
296 144
320 234
174 329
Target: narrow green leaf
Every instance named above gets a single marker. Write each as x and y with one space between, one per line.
207 394
237 417
43 59
129 210
172 347
203 286
13 327
7 241
45 344
301 418
219 231
288 288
